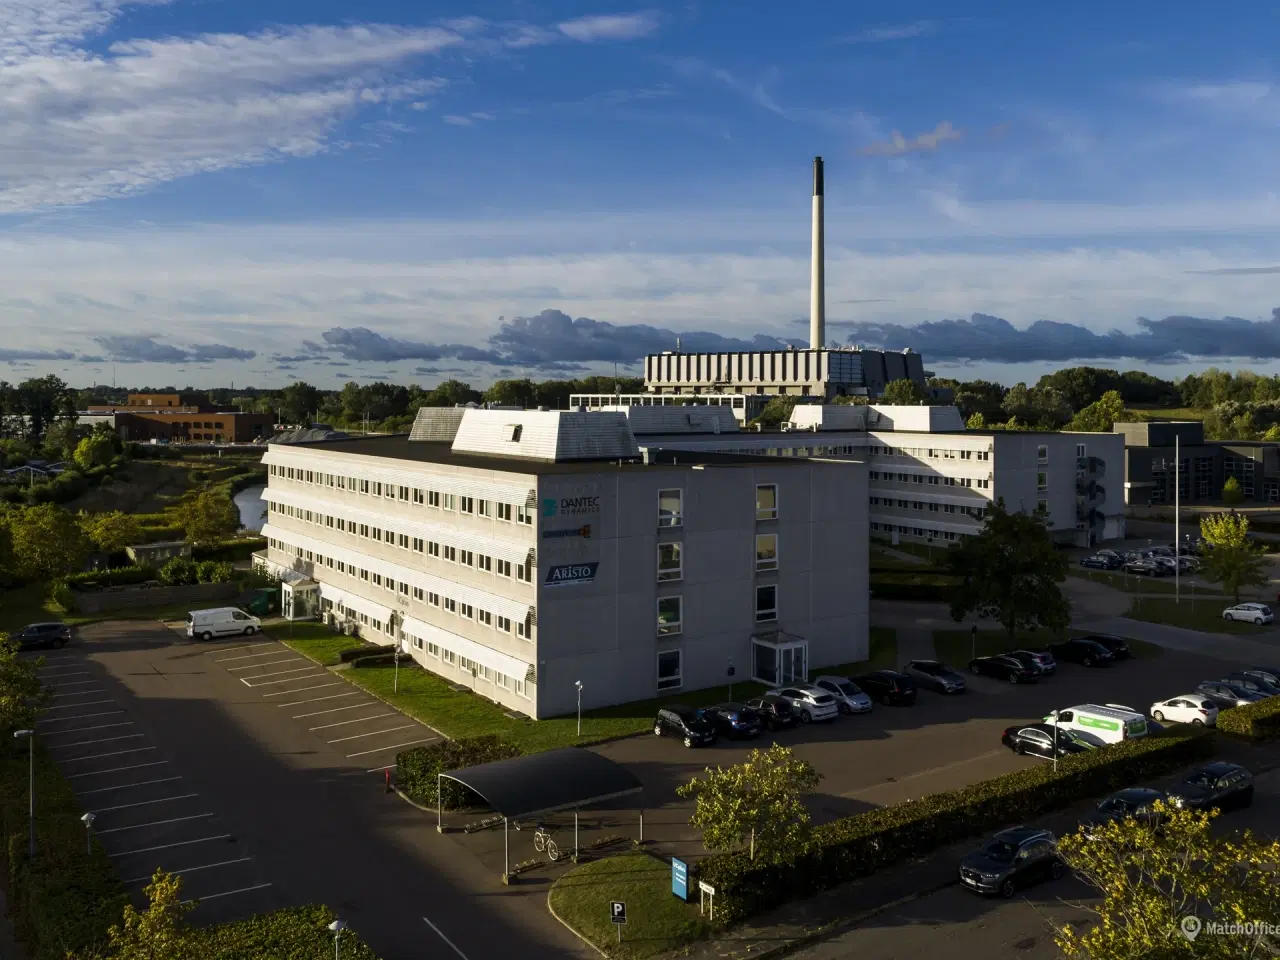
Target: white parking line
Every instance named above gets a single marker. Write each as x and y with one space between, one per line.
99 773
243 646
373 734
170 846
278 673
227 893
80 693
99 726
127 786
58 676
154 823
142 803
397 746
99 756
177 873
85 743
317 713
78 683
285 693
343 723
389 766
49 658
247 656
255 666
72 706
83 716
65 666
444 938
272 683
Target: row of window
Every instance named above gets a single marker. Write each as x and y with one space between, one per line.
511 513
432 548
930 453
671 557
671 610
467 611
907 531
977 513
972 483
671 505
478 671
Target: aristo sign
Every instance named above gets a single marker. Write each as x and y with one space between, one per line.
571 573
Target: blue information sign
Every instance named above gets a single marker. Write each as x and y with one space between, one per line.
680 878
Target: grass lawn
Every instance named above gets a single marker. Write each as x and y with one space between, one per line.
1135 584
657 922
460 713
1203 615
955 647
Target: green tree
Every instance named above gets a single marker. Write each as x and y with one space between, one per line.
1101 415
904 393
111 532
160 932
851 401
776 411
754 805
976 422
208 515
1225 529
62 438
1147 880
450 393
22 694
94 451
1231 492
299 403
1011 572
513 393
47 542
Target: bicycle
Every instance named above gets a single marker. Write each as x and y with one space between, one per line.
542 842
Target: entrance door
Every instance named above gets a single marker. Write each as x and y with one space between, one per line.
794 669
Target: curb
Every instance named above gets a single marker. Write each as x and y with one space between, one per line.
552 910
410 801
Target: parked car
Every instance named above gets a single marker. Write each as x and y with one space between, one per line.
1041 659
934 675
1145 568
888 686
1219 785
736 721
1012 859
1110 722
1087 653
1110 555
775 712
1038 739
850 698
684 723
1258 613
1118 646
810 702
1135 802
1099 562
221 622
1252 684
1189 708
1270 674
1228 695
1003 667
42 636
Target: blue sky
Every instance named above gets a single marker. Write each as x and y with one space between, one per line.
207 191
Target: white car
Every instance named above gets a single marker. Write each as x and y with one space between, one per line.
1189 708
1258 613
810 702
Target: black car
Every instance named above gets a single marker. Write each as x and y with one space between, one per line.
1038 739
1087 653
42 636
1219 785
1038 660
1118 646
1253 683
1269 674
1003 667
1136 802
774 712
1099 562
1228 695
686 724
1011 859
888 686
734 720
934 675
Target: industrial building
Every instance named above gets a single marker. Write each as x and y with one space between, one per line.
522 552
1151 451
179 418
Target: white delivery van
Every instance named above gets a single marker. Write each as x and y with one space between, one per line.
1109 724
221 622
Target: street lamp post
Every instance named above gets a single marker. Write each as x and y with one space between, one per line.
395 686
578 684
30 737
1053 716
973 635
336 929
88 819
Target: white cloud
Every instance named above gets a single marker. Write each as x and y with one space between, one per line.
1233 95
897 144
457 120
602 27
888 32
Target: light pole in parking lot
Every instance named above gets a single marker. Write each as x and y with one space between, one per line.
973 635
578 684
1053 718
336 929
30 737
87 820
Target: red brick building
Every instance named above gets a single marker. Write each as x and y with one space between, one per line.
184 418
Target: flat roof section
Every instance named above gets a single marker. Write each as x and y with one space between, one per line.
541 783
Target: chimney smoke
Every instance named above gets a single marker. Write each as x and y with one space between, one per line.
817 280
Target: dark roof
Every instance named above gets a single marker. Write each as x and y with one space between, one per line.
1218 767
1138 793
546 782
1019 834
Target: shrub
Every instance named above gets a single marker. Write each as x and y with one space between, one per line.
241 549
417 770
62 594
1255 721
859 845
295 933
113 576
358 653
383 660
214 571
178 572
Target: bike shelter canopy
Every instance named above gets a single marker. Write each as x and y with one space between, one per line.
542 783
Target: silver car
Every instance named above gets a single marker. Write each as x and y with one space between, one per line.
934 675
849 696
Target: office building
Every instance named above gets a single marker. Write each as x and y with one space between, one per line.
1152 449
179 418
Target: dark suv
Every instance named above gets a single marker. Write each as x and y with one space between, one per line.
1220 785
1118 646
1136 802
42 636
774 712
888 686
1011 859
684 723
734 720
1253 683
1088 653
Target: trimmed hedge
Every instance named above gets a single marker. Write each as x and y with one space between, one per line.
112 576
383 660
417 770
295 933
368 650
232 550
859 845
1255 721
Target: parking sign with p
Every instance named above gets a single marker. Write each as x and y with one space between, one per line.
618 911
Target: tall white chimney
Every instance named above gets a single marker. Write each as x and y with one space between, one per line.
817 283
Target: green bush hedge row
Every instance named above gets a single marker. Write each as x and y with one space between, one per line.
112 576
859 845
1255 721
295 933
359 653
180 571
417 770
232 550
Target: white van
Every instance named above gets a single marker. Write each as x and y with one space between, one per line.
1109 724
221 622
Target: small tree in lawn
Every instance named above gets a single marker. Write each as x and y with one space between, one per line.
1230 558
1010 572
1231 492
159 932
209 515
47 542
21 692
755 805
1148 880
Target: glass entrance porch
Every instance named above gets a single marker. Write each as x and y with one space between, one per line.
778 658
